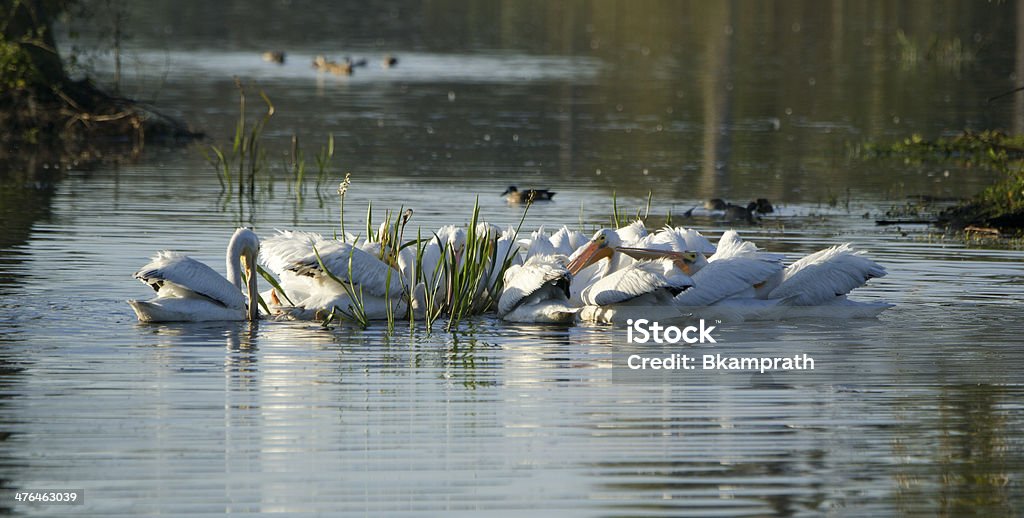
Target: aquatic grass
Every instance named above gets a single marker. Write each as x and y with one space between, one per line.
615 211
342 191
356 310
247 154
323 161
274 284
298 166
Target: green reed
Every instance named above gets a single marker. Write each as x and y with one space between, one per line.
247 156
356 312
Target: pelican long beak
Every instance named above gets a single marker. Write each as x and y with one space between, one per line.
682 260
249 264
591 254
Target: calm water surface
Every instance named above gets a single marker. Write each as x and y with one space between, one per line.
288 417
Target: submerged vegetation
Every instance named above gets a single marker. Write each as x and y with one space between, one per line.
1001 205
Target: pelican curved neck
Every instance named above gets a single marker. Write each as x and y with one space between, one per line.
243 242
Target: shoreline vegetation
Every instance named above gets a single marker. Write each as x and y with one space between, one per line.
996 211
40 105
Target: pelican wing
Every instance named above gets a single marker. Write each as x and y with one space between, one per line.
293 251
540 244
683 239
566 241
726 277
366 269
822 276
632 233
279 252
177 275
635 280
538 272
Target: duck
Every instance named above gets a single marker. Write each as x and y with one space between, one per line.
323 64
355 63
715 204
274 56
389 61
740 214
764 206
513 195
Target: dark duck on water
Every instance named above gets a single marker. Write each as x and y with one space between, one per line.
513 195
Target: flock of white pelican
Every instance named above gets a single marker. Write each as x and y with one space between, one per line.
561 277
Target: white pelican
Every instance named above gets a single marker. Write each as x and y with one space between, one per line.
537 291
505 252
734 270
643 289
678 239
448 243
566 241
741 281
314 293
586 265
825 278
190 291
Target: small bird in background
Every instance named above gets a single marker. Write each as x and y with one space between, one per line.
764 206
389 61
513 195
361 62
274 56
321 63
715 204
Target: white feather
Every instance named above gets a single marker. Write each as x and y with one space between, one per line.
824 275
177 275
539 273
634 280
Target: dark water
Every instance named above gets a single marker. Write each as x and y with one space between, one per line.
686 100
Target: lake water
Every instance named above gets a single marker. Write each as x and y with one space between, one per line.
923 415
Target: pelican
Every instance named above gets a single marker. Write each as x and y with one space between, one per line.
741 281
537 291
351 273
586 264
643 289
825 278
735 269
190 291
566 241
445 247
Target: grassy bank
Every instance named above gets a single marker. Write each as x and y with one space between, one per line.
1001 205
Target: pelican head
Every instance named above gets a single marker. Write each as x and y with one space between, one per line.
601 246
243 249
687 261
453 239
